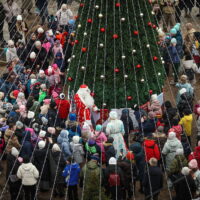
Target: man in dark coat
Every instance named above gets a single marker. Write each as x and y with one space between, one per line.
42 5
27 147
155 176
185 186
109 149
52 114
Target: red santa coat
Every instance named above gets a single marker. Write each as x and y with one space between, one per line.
83 113
63 108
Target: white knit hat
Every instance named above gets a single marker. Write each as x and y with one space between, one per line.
10 43
56 148
182 91
64 6
112 161
179 152
33 55
19 18
41 144
50 32
37 43
171 135
76 139
185 171
154 97
42 134
113 115
14 152
40 30
30 115
19 125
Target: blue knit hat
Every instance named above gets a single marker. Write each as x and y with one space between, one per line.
71 22
72 117
173 40
173 31
177 26
98 127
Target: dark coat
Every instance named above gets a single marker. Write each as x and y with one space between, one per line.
184 187
41 4
57 164
51 116
156 178
127 121
20 133
138 151
2 13
148 127
109 151
27 147
41 161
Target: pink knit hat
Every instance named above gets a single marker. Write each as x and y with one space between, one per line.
54 94
47 101
193 164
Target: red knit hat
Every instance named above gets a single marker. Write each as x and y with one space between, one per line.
130 155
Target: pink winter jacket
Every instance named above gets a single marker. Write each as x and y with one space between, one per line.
155 107
56 50
100 138
47 46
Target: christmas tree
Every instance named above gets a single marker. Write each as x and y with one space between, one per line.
116 53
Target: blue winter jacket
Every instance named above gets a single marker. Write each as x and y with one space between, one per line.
174 55
71 174
63 142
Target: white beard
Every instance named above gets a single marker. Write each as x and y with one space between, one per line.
85 96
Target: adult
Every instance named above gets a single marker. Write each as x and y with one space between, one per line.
169 149
11 52
42 6
2 18
27 5
84 103
29 174
189 36
64 15
12 10
21 29
153 180
115 129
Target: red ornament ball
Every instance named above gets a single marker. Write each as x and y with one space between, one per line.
76 17
138 66
84 49
115 36
116 70
89 20
154 26
129 98
70 78
92 94
102 30
117 5
150 91
155 58
149 24
72 43
135 32
76 41
81 5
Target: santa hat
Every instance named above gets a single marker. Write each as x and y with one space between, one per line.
41 144
154 97
185 171
51 130
76 139
14 152
193 164
83 86
113 115
182 91
47 101
37 43
171 135
42 134
10 43
40 30
32 55
62 96
56 148
30 115
19 18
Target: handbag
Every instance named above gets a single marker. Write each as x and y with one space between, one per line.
13 178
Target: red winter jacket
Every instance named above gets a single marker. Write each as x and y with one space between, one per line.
195 155
63 108
151 149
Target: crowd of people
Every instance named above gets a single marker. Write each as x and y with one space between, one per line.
50 145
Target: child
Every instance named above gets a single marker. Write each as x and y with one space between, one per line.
42 93
77 150
57 48
46 45
71 174
50 76
109 149
56 71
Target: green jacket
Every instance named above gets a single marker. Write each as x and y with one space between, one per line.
177 164
42 96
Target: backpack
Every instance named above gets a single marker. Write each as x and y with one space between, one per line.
52 22
190 74
114 180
